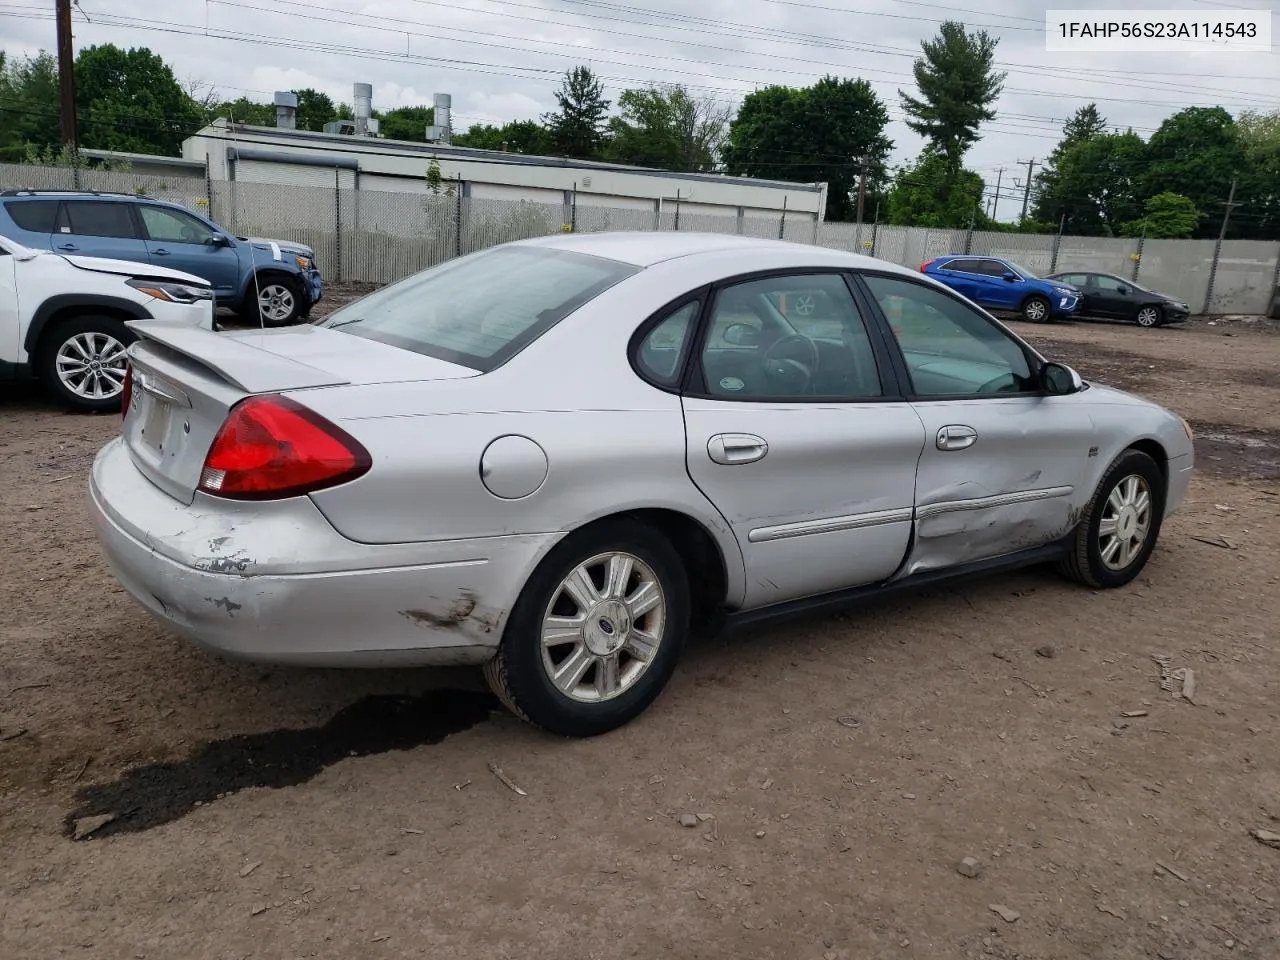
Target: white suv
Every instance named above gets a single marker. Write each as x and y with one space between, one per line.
62 318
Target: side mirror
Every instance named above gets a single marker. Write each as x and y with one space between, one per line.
1057 379
219 240
1123 291
1011 277
741 335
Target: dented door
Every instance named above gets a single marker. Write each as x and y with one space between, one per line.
998 476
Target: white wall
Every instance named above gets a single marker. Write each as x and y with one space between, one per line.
381 157
506 191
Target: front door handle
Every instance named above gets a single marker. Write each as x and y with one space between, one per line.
68 246
956 437
161 252
734 448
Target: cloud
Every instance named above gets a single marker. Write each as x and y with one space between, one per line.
501 59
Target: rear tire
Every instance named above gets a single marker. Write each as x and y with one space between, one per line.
1149 316
82 362
1036 309
1120 526
596 633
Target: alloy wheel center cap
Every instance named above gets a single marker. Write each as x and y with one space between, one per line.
607 627
1127 523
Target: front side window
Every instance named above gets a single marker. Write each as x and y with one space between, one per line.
481 310
950 348
98 218
1110 284
993 268
790 337
173 226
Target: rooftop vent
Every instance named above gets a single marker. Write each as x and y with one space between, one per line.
286 109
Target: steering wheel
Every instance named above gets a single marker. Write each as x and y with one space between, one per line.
785 369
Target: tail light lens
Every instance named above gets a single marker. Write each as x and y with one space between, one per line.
272 447
126 392
924 265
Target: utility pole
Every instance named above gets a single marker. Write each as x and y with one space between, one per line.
995 201
862 193
1230 205
67 75
1026 194
1226 216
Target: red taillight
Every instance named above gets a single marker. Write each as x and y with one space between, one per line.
126 393
271 448
925 264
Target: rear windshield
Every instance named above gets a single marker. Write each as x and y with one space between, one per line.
481 310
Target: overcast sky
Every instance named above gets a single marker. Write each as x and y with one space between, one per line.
500 59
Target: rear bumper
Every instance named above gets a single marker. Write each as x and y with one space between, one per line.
275 582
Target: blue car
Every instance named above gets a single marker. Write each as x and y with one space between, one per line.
278 277
1004 286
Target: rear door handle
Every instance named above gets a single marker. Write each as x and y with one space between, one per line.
956 437
68 246
161 252
735 448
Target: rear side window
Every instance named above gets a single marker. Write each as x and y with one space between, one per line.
484 309
96 218
38 216
960 266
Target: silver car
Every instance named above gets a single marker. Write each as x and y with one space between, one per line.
559 457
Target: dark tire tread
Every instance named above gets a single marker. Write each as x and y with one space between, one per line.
1076 565
526 697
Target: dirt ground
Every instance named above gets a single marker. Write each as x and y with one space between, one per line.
839 767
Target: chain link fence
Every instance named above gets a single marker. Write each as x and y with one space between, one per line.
379 236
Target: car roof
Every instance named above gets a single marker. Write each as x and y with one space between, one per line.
645 248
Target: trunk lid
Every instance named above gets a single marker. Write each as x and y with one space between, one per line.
186 380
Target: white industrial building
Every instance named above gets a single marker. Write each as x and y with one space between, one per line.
352 156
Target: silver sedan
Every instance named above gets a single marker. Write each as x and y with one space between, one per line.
557 458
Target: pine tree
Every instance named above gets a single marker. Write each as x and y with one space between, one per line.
577 129
958 86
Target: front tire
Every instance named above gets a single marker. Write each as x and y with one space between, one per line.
1120 526
82 363
280 301
1149 316
1036 310
596 633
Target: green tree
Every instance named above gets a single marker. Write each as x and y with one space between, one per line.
1166 216
1052 203
825 132
130 100
1259 186
407 123
1101 178
1196 152
520 136
577 128
315 109
668 129
914 199
244 110
958 86
29 115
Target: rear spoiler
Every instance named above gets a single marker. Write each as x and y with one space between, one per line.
236 359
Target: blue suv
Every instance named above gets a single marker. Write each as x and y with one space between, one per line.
1003 285
280 277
